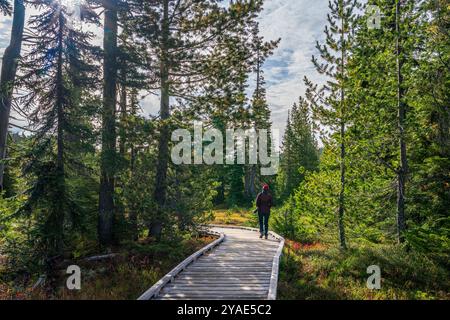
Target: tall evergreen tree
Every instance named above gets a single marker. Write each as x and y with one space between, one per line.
401 123
284 181
260 112
108 161
57 70
380 125
299 149
428 189
329 101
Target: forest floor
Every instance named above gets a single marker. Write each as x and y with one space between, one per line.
135 268
321 272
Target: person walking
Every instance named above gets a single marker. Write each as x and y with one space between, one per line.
263 205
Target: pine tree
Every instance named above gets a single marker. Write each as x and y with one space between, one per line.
401 105
284 184
239 53
429 160
108 162
329 102
132 77
57 70
410 43
182 38
299 152
260 112
380 121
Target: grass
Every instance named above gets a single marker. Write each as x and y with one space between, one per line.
236 216
318 272
126 276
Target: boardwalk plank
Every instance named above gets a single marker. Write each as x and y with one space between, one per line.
241 267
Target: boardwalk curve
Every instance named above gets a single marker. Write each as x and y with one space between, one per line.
238 266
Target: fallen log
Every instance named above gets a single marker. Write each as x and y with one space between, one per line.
101 257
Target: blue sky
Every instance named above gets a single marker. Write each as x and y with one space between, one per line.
299 24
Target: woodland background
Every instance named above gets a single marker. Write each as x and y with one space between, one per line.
92 174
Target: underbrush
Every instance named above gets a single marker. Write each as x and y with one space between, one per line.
324 272
135 268
234 216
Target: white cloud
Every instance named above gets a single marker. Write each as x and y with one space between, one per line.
299 24
5 29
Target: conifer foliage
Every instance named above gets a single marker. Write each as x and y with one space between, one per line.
329 101
300 152
365 154
57 72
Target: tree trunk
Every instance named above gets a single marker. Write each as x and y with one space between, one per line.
220 197
108 156
342 191
253 181
342 240
119 219
7 78
250 176
247 181
253 168
59 202
123 114
155 226
402 171
133 211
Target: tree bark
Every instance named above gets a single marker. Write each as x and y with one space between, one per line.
133 212
247 181
123 114
220 198
60 142
251 188
402 171
7 78
108 156
253 181
155 226
119 220
342 240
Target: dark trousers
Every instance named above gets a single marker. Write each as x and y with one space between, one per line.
263 222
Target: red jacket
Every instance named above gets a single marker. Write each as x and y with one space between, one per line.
264 202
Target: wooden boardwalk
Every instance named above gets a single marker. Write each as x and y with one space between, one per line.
238 266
